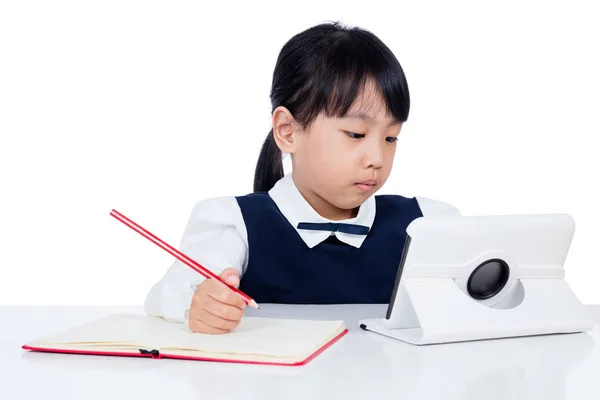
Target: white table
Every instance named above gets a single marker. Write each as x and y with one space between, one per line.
363 365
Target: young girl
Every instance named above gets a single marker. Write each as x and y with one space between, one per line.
317 235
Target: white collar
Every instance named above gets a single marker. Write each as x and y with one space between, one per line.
296 209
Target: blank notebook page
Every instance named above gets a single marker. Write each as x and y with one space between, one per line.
265 336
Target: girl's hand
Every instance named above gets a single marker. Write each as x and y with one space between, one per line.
215 308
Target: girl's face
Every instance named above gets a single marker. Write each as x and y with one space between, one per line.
339 162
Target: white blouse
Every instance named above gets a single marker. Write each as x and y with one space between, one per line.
216 237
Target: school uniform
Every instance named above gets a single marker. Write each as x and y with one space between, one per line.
285 252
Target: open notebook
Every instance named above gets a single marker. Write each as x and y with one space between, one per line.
255 340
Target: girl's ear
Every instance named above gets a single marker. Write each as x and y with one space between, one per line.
284 126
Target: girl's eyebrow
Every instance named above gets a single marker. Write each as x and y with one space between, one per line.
367 117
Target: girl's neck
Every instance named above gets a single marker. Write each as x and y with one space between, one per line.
324 208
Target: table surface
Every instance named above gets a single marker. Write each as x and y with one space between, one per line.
362 365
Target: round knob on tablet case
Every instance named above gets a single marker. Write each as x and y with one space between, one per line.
488 279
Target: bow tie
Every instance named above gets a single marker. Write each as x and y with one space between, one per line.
335 227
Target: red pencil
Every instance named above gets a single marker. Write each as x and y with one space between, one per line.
179 255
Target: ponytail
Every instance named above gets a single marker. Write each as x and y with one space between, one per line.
269 167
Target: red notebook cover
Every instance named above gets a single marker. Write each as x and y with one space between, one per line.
157 355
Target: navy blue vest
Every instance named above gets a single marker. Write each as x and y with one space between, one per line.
283 269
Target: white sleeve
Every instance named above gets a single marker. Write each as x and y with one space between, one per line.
435 208
215 237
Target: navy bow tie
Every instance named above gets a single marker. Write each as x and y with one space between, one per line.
334 227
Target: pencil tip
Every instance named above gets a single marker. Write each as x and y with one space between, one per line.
253 304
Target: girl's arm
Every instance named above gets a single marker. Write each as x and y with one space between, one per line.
215 236
435 208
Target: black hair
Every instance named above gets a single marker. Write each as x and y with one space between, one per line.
323 69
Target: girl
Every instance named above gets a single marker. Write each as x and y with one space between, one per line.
317 235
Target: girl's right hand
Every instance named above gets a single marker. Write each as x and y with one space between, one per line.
215 308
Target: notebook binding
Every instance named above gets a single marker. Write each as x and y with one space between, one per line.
153 353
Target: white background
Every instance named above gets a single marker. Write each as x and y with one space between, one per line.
148 107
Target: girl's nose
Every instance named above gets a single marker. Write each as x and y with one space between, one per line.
374 154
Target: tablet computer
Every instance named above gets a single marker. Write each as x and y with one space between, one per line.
470 277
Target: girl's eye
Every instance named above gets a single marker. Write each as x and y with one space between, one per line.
355 135
391 139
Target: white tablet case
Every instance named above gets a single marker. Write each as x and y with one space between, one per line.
431 304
